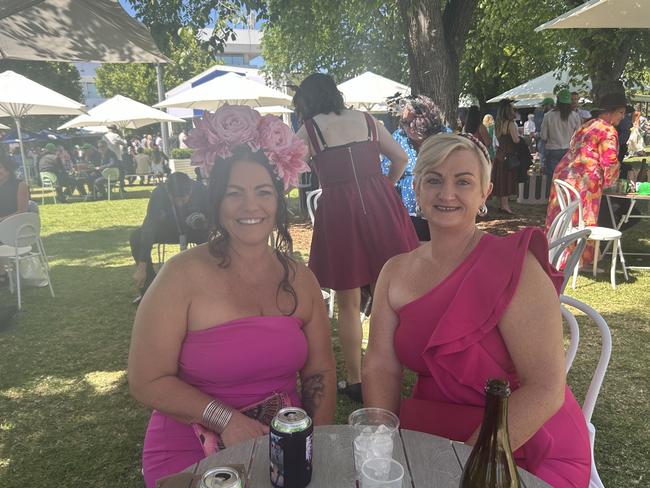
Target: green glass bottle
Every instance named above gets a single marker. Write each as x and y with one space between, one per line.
491 465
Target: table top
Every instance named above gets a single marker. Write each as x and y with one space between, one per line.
629 196
428 460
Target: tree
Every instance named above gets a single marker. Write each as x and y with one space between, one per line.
503 50
138 81
352 36
60 77
435 33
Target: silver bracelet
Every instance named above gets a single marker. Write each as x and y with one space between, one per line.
216 416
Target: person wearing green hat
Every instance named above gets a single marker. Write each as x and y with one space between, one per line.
557 128
49 162
591 164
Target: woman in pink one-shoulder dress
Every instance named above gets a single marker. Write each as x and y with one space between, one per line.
469 306
234 322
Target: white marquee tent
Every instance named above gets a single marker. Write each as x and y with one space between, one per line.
369 91
604 14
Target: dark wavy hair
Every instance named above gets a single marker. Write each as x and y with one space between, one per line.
219 241
564 109
318 94
473 121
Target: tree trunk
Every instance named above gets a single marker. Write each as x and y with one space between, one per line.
435 40
605 71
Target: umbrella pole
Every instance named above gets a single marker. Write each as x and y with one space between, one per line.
22 150
164 133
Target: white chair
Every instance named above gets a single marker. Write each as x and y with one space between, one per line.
567 194
562 223
48 183
558 247
21 233
599 374
112 176
312 203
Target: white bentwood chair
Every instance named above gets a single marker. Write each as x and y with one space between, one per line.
599 374
312 203
558 247
566 194
20 234
48 183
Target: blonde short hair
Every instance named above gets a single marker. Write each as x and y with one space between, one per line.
435 150
488 120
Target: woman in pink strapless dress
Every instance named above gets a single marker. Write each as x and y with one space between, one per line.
234 322
469 306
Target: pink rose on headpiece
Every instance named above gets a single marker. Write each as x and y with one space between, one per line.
216 134
285 150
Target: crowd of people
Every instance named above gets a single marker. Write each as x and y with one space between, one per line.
397 214
80 168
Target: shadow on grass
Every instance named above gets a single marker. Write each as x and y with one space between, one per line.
66 415
622 408
101 245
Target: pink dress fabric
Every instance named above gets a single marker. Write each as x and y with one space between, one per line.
450 338
239 363
360 221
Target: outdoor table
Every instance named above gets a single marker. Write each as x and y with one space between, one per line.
633 198
428 460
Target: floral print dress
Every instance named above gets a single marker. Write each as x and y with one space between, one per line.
405 183
589 165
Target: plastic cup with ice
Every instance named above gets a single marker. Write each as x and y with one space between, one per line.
375 434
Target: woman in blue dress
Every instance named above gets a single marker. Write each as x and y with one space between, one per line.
419 118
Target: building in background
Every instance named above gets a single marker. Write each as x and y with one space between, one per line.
244 52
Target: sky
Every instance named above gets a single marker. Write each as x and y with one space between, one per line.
127 6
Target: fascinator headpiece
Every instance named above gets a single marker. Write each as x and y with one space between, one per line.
216 134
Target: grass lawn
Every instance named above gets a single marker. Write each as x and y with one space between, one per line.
66 418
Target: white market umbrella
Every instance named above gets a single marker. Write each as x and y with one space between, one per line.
541 87
20 96
4 127
74 30
274 110
369 89
603 14
123 112
231 89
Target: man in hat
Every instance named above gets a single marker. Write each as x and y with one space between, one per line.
49 162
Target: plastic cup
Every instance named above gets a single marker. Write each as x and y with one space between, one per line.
375 433
382 473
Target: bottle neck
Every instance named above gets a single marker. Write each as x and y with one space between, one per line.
495 419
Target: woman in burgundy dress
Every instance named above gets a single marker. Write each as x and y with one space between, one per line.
360 221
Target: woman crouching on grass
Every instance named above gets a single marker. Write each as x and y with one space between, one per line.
229 324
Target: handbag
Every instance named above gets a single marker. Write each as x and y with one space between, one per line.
262 411
512 160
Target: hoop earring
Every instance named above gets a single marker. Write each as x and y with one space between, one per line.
418 210
483 210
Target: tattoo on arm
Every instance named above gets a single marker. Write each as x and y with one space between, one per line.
312 392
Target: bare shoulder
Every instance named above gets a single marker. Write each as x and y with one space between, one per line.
398 267
304 278
186 265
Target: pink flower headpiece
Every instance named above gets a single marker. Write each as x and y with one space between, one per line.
217 133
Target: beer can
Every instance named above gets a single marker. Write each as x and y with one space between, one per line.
291 448
221 478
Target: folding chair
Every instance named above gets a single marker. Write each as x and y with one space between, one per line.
22 233
599 374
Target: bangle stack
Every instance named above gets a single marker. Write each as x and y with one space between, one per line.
216 416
